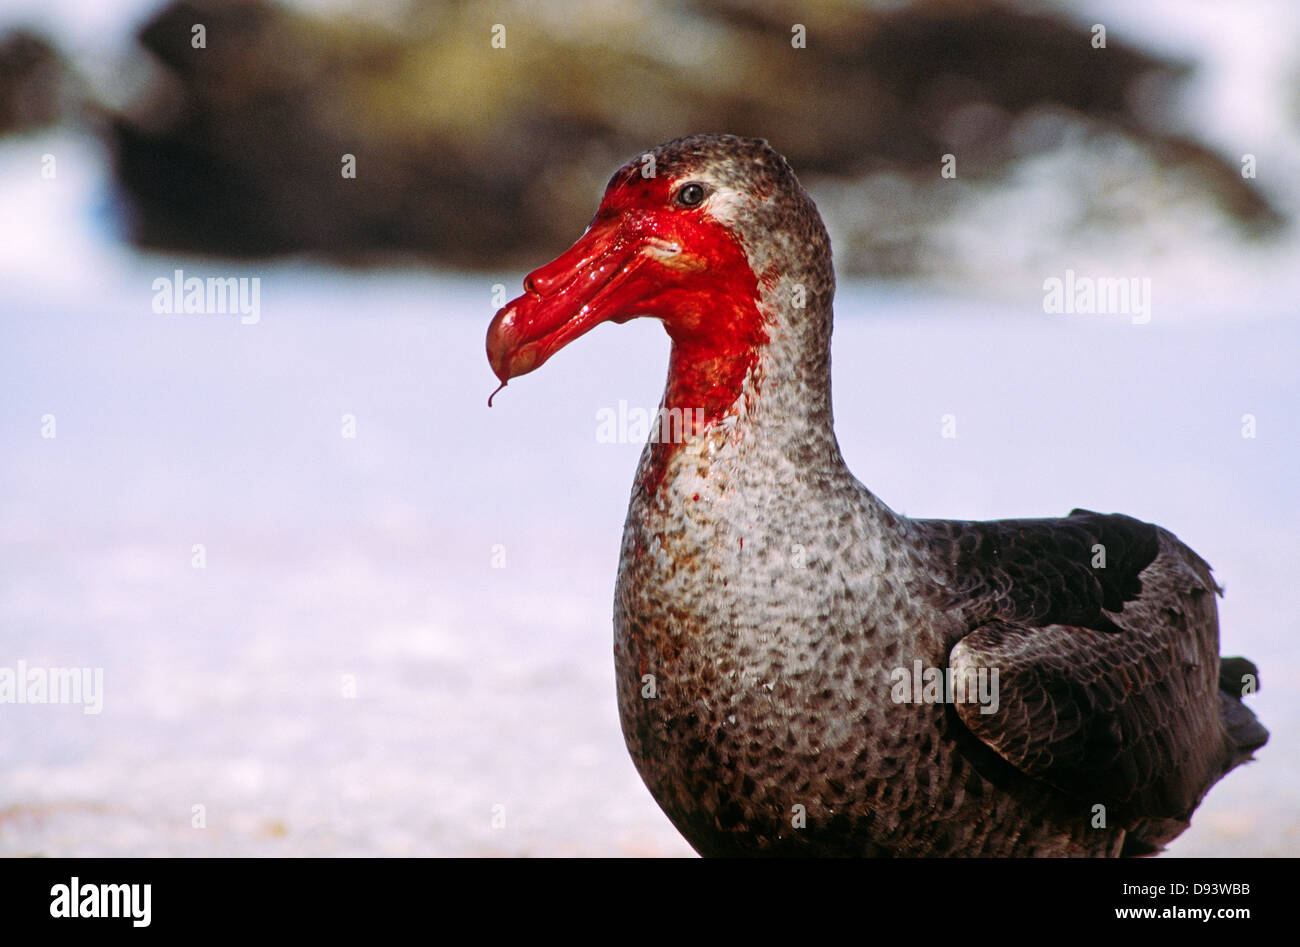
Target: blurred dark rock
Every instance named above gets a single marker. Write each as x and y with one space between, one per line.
479 156
36 84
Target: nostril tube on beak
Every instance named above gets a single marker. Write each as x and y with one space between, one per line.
530 286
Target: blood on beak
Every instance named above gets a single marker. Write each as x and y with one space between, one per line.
641 256
588 284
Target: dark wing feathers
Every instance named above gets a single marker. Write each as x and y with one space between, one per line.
1040 571
1129 718
1104 718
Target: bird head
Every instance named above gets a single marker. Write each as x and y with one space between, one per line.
674 238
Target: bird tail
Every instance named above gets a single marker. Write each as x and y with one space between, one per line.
1237 678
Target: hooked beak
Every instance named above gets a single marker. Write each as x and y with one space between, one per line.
601 278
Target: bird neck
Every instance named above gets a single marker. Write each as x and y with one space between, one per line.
762 389
792 400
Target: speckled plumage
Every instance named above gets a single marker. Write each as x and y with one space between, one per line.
765 598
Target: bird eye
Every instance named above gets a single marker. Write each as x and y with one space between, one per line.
690 195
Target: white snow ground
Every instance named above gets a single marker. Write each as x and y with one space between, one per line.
479 687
